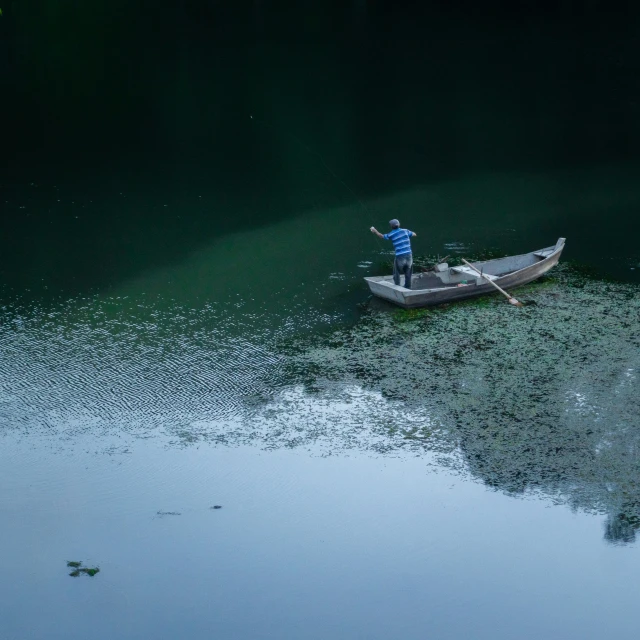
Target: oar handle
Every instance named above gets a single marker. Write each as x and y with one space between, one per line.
502 291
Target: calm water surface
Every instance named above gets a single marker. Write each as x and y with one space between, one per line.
184 324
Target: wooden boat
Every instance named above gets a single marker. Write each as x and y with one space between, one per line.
448 284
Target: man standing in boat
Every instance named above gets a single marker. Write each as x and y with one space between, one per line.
403 262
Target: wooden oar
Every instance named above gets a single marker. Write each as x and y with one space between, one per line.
512 300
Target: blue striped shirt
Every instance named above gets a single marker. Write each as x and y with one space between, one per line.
400 239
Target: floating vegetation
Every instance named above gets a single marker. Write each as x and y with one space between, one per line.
78 569
541 400
217 506
407 315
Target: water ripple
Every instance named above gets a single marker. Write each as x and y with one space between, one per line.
85 368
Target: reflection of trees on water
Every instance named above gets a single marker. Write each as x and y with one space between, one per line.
541 400
622 526
573 435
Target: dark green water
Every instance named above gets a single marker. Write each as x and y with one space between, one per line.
185 196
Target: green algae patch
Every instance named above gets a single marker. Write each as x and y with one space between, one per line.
541 400
410 315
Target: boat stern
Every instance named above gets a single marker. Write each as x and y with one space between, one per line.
384 287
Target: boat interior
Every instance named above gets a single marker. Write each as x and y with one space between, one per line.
444 276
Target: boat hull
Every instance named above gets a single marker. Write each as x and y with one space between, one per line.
383 287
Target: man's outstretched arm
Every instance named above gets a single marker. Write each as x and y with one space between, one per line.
374 230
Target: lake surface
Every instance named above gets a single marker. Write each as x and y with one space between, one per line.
184 324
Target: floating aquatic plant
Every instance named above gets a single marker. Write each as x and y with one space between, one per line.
78 569
540 400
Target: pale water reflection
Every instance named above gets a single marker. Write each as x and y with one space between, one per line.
303 546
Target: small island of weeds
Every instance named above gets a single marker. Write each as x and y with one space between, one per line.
78 569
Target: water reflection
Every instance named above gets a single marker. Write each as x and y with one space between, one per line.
536 401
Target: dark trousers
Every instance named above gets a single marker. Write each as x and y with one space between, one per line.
403 264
